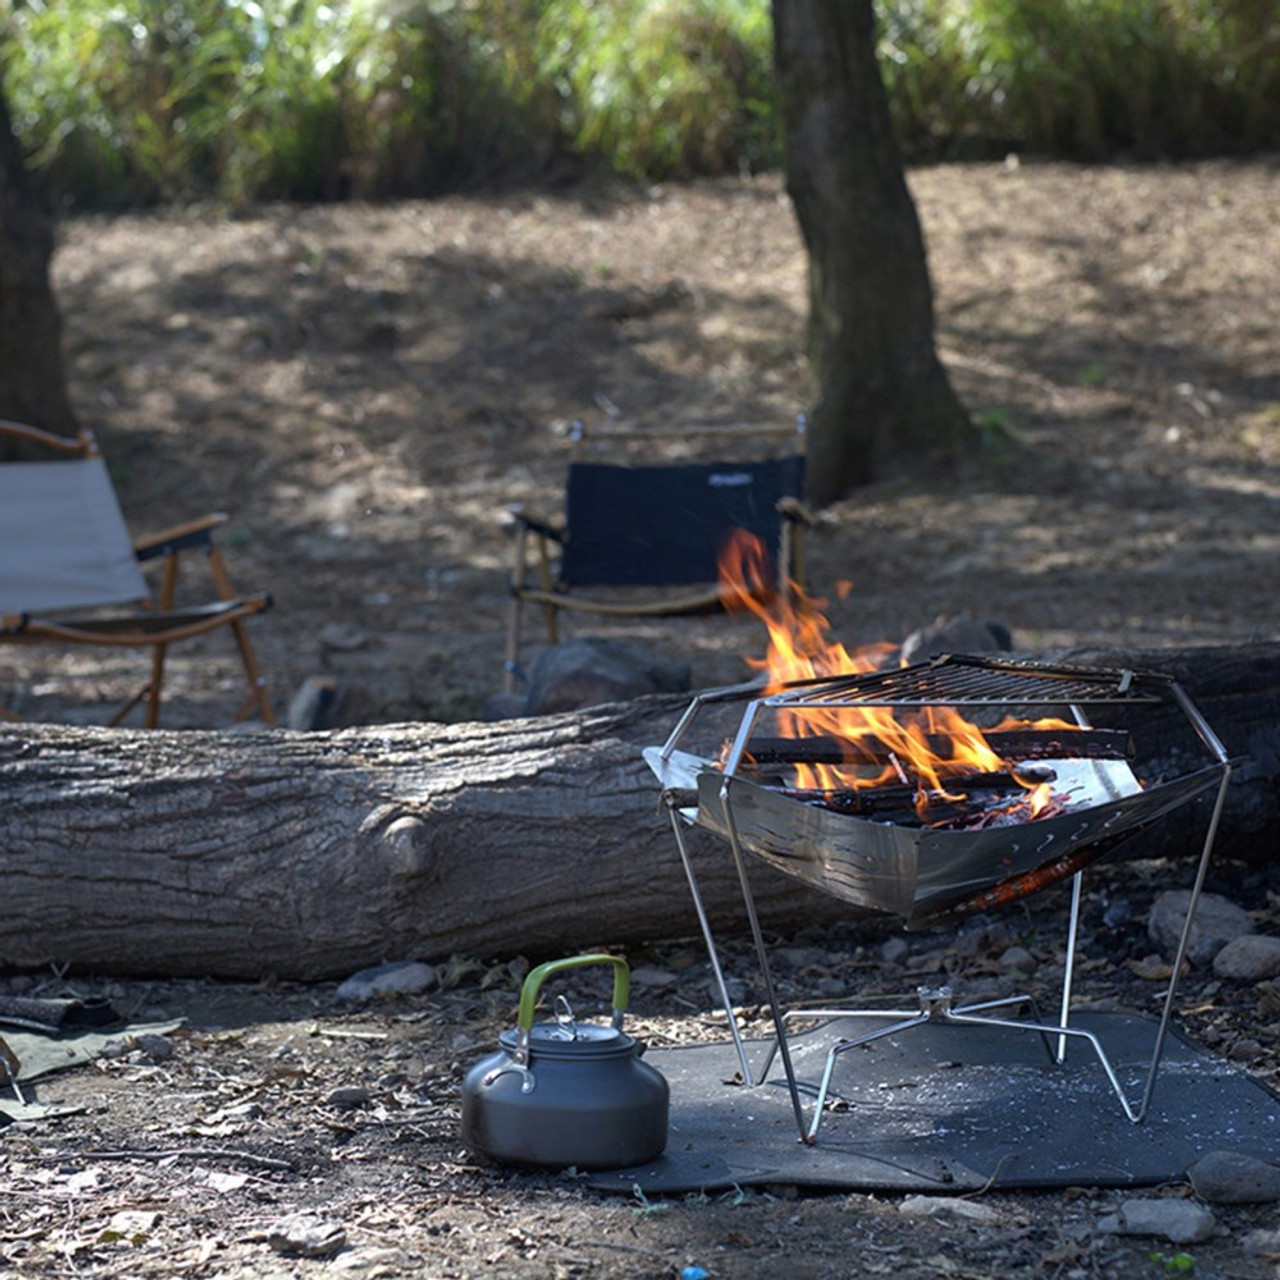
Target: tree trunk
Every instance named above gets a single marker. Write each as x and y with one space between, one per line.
245 854
32 385
883 397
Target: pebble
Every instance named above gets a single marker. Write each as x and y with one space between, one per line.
1218 921
153 1047
348 1097
1262 1240
657 978
736 989
1245 1051
307 1237
1178 1221
400 977
1228 1177
1251 958
943 1206
1018 958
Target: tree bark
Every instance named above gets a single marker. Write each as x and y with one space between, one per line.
32 382
306 856
884 399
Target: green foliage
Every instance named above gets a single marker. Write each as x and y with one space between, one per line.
1085 79
664 87
130 102
1178 1264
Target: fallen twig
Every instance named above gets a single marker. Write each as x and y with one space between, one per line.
171 1153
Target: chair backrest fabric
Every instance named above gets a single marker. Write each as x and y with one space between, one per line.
667 525
63 539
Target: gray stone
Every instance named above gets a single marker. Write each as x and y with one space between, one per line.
504 706
1218 921
305 1236
1262 1240
947 1206
657 978
1251 958
1179 1221
591 670
401 977
325 702
348 1097
1228 1177
1018 958
958 634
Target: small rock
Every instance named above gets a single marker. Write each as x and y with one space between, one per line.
1250 958
343 637
348 1097
1218 921
734 987
134 1224
895 950
1018 958
400 977
243 1111
1245 1051
590 670
1118 913
947 1206
153 1047
325 702
958 634
1229 1177
503 706
307 1237
1178 1221
1263 1241
644 977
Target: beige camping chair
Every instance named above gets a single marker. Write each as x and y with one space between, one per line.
70 574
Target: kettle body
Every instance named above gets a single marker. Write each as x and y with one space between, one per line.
562 1093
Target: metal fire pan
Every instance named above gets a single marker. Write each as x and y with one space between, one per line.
917 873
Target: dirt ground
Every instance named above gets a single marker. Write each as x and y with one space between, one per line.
367 389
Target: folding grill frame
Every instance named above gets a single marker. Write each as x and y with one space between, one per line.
952 681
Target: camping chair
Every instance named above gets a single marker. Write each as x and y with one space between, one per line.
645 540
65 555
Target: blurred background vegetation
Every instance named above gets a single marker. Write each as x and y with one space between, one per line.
128 103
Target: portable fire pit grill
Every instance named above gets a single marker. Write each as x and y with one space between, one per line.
927 850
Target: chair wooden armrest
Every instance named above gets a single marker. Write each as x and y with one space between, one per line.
540 525
795 510
180 537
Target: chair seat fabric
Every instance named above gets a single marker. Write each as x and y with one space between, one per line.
666 525
63 539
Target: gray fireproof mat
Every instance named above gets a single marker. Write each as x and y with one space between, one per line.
954 1108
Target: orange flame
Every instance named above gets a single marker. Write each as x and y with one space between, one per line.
930 748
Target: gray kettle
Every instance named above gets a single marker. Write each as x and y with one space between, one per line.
566 1093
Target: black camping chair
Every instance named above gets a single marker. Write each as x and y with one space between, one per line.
646 540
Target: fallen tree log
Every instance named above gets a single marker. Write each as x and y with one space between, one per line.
306 856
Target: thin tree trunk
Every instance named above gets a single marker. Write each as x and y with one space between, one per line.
32 384
245 854
883 397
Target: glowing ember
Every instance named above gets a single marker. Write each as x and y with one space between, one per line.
930 749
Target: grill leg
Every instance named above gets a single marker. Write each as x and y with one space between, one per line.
670 801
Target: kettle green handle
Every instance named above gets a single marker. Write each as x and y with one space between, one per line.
536 977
